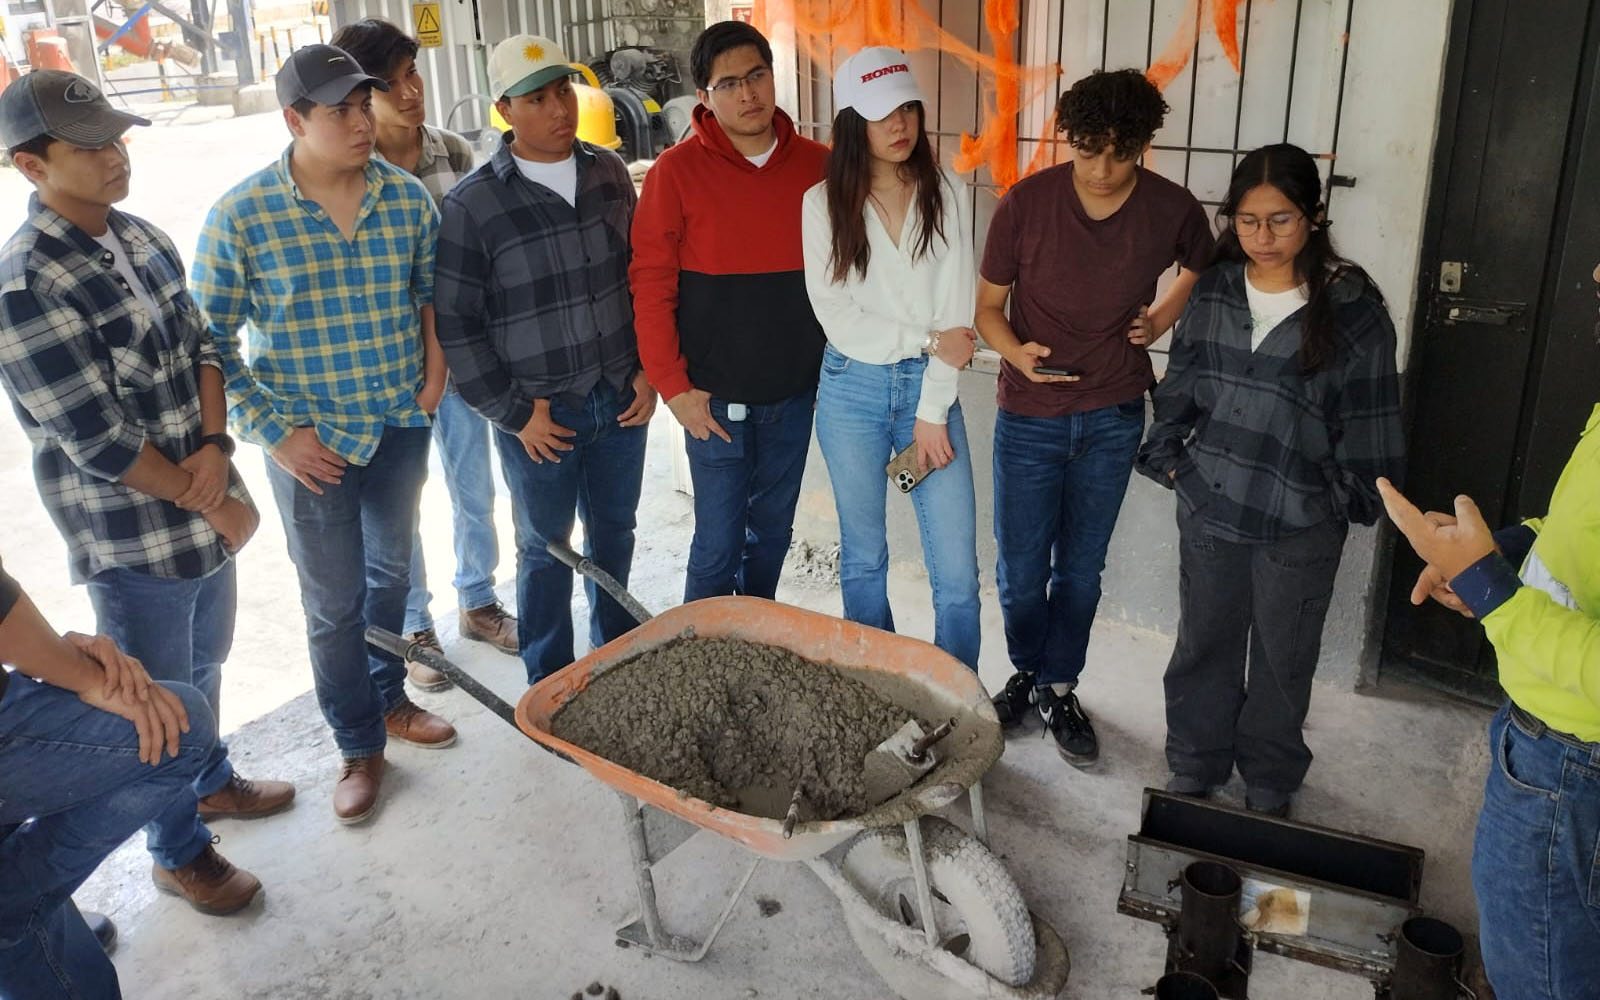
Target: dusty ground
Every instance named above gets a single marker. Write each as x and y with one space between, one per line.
495 870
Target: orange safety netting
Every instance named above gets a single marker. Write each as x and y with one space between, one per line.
823 27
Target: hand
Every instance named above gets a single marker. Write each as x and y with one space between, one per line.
1449 548
1142 332
303 456
933 445
160 721
541 438
125 677
1027 355
428 397
956 346
693 410
235 522
643 406
1432 582
208 468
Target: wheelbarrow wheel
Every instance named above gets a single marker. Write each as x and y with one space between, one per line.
979 910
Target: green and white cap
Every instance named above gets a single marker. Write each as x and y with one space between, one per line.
523 63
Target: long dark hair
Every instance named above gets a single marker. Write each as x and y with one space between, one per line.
1293 172
850 181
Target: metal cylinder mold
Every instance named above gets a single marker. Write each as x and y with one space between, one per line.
1184 986
1427 961
1208 924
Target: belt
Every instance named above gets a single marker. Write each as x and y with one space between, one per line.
1534 728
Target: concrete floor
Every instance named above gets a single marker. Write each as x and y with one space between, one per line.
495 870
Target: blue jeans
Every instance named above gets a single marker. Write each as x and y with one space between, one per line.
744 497
463 439
865 416
75 772
181 630
1058 486
1536 864
600 479
351 548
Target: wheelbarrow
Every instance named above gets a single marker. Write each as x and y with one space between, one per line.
931 908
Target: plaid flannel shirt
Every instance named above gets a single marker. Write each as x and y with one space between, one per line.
1260 449
93 381
533 297
445 159
333 335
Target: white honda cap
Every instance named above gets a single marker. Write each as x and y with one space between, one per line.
874 82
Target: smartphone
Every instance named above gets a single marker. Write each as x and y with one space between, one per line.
1057 370
903 470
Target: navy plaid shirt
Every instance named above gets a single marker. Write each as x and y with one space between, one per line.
94 380
531 293
1259 448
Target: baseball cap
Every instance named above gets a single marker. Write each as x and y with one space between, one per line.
63 106
874 82
523 63
321 74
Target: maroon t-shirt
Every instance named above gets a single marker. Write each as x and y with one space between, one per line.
1077 283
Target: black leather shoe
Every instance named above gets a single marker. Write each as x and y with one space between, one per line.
104 930
1012 703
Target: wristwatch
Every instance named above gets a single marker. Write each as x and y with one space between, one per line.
223 442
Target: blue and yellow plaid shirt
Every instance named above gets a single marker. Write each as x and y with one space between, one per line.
334 338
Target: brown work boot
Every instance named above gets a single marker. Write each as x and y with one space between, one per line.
492 624
242 798
422 676
209 883
356 794
410 723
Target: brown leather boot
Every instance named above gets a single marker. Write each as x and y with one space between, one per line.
492 624
242 798
422 676
356 794
209 883
410 723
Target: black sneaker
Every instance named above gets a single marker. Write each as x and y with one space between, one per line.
1066 721
1268 803
1011 705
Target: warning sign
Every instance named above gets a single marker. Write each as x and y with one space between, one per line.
426 18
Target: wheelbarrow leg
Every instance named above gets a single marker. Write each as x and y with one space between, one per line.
647 932
919 874
980 823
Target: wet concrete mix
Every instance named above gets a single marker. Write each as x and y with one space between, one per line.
738 724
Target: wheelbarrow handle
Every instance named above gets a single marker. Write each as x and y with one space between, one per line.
418 653
605 581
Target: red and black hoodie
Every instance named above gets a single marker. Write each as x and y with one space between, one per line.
719 293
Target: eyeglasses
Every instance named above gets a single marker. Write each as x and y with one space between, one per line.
752 79
1281 224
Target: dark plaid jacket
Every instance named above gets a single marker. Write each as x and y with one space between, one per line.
1260 448
531 293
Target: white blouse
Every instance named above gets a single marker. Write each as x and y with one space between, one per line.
886 317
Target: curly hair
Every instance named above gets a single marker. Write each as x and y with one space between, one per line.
1117 106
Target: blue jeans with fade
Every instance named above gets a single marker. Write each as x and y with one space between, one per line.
1058 487
599 480
1536 862
74 790
462 436
351 548
181 630
865 415
745 494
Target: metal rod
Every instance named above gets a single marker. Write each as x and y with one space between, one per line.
605 581
793 815
980 822
1338 103
1294 58
1238 105
640 848
919 874
919 749
418 653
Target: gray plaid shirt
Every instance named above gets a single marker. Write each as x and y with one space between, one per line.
446 158
1260 449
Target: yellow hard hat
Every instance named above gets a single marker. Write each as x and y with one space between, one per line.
597 119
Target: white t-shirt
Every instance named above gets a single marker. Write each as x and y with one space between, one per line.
1268 309
761 159
562 177
141 294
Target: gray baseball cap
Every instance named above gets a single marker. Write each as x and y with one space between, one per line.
322 74
63 106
